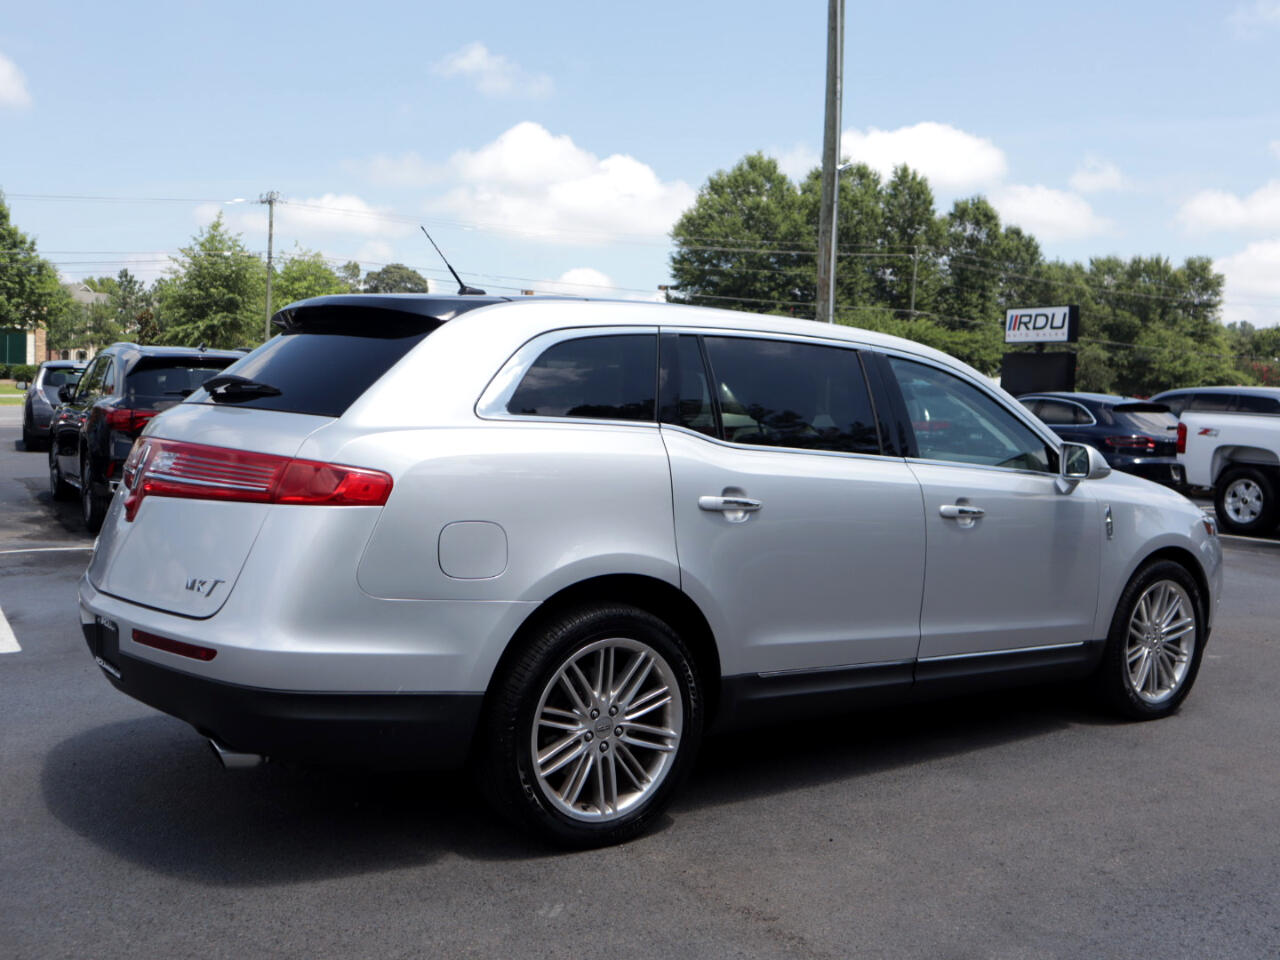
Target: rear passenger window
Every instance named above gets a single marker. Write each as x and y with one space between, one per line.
1211 402
780 393
1060 414
602 378
1249 403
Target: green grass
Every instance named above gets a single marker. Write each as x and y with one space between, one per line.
10 394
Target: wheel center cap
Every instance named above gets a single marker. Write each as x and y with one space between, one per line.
602 727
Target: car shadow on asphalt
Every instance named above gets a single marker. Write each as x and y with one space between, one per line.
150 790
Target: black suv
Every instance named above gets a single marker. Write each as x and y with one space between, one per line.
123 387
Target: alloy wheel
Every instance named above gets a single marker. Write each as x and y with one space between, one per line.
607 729
1243 501
1161 641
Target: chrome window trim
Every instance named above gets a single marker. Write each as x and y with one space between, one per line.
998 653
492 404
768 448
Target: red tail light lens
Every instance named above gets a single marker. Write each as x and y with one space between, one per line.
128 421
179 647
194 471
1182 438
1134 444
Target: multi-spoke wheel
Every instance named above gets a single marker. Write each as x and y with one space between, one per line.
1245 500
593 725
1156 641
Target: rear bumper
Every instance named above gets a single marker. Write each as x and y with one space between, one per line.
399 730
1163 470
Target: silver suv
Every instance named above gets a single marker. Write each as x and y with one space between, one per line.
562 538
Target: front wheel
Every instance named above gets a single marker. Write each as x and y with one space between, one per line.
1155 645
1245 501
592 727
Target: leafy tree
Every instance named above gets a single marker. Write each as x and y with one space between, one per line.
745 243
215 293
31 294
395 278
305 274
129 300
349 273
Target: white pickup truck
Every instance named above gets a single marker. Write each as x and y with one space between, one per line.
1238 455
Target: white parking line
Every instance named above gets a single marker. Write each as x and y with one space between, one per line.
8 642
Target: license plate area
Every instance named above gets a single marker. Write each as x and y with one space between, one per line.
106 644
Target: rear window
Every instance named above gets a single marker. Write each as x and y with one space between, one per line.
327 358
1153 418
60 377
159 379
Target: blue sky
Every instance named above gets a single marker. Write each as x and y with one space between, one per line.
551 146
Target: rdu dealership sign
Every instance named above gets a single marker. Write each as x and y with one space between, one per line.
1041 324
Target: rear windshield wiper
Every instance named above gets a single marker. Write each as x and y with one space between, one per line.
229 388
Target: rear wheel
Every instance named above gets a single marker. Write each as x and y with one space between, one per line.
31 440
591 729
92 508
59 489
1245 501
1155 645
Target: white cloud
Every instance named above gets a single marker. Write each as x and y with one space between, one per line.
798 161
1096 175
1048 214
529 181
1251 275
302 219
492 73
590 282
949 158
1256 14
1219 210
402 170
13 85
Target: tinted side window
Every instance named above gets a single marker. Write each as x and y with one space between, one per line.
1059 413
784 394
603 378
91 385
1248 403
1212 402
684 392
955 421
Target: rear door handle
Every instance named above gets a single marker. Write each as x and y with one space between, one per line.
733 508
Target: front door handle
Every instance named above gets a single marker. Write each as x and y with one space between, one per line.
960 511
734 509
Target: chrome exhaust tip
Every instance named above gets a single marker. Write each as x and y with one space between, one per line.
235 761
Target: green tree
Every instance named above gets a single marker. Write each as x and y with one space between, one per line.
215 293
305 274
395 278
745 244
31 293
131 304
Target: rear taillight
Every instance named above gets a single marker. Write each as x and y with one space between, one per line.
193 471
1134 444
128 421
1182 438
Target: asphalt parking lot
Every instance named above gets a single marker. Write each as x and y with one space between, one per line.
1024 825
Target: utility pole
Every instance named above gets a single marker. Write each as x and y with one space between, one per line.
269 199
827 220
915 263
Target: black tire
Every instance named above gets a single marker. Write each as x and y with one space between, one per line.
1244 491
59 489
31 441
1116 680
506 761
93 509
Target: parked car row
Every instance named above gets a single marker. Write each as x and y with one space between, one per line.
561 538
1222 439
88 416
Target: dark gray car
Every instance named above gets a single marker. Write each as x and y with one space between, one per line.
42 397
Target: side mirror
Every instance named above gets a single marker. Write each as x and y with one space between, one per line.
1079 461
21 385
64 393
